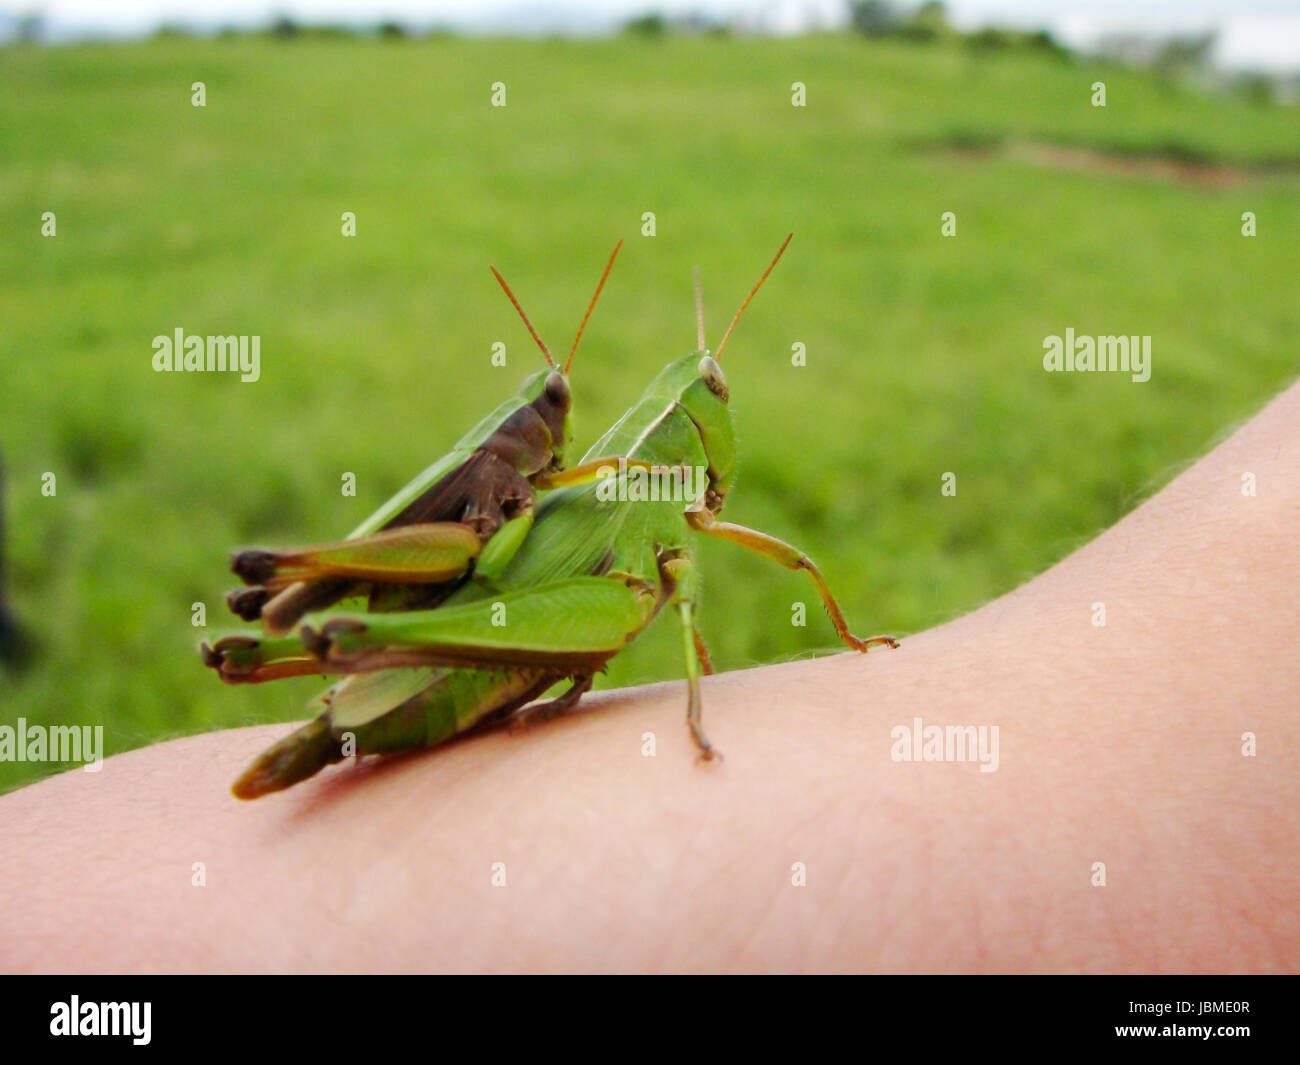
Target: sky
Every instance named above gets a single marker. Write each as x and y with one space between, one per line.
1261 34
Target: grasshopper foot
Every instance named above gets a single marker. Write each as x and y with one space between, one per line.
519 722
251 660
256 565
875 641
537 714
247 603
551 708
708 752
224 656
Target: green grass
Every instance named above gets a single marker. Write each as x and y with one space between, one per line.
924 353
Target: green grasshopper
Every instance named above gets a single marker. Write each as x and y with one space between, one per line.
591 575
472 508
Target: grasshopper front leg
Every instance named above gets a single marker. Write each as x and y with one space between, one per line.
791 558
593 470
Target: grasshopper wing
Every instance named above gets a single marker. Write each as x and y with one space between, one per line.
359 699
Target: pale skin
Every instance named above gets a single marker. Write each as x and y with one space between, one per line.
1119 744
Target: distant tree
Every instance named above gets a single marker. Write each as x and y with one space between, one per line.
875 18
283 28
1043 41
172 31
328 31
990 39
1182 55
392 31
881 18
929 22
651 24
29 28
1255 88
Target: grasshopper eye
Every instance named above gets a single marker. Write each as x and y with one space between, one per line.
711 373
557 390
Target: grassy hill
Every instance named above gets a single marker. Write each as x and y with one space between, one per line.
924 352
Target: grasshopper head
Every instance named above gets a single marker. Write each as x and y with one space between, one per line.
547 391
696 384
548 394
704 397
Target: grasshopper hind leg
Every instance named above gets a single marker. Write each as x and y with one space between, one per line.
702 650
791 558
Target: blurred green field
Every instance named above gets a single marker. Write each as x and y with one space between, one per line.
923 352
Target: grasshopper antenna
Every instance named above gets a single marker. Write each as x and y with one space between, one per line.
752 293
531 331
591 307
699 311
